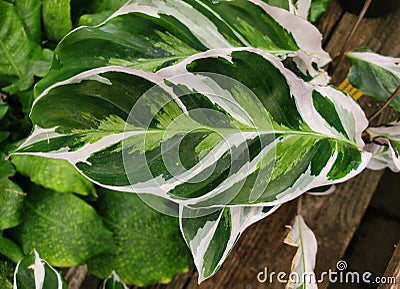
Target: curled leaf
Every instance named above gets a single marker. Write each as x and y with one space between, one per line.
375 75
385 147
113 282
303 263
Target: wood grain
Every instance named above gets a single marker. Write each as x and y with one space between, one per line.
393 270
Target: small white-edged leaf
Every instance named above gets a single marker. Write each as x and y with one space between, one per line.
38 271
377 76
113 282
385 147
211 234
303 263
34 272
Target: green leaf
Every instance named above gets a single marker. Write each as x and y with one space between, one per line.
65 229
6 273
150 248
113 282
279 3
303 263
26 98
296 137
99 11
11 196
307 9
58 175
34 272
11 250
3 109
21 57
29 12
3 134
6 168
385 147
11 203
94 18
318 7
150 35
375 75
56 16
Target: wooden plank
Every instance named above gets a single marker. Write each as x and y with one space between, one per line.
380 34
393 270
329 21
333 218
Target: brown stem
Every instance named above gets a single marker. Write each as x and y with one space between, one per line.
338 59
386 104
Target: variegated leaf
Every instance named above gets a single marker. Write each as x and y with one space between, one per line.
385 147
197 139
303 263
113 282
211 234
300 7
307 9
153 34
375 75
34 272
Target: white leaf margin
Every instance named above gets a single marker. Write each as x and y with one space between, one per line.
388 63
300 7
241 217
352 117
39 272
310 43
115 278
383 153
303 263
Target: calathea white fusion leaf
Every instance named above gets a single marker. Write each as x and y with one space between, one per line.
261 146
385 147
211 235
375 75
204 135
151 35
34 272
113 282
303 264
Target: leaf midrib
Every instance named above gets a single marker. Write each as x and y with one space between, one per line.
225 131
33 209
302 248
10 59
